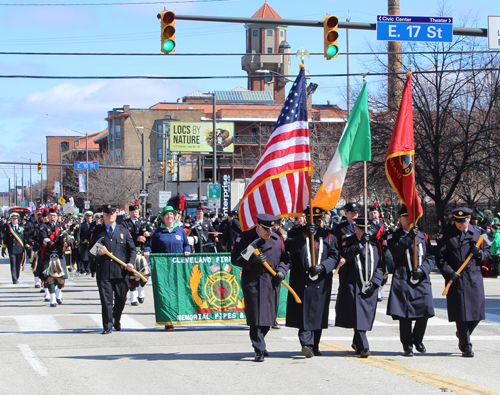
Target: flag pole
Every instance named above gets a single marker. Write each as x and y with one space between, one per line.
313 258
414 207
366 218
301 52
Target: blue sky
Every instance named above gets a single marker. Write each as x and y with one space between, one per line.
32 109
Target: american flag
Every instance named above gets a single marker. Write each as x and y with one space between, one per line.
280 182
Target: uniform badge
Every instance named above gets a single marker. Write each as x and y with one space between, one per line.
238 239
177 237
121 236
344 243
389 237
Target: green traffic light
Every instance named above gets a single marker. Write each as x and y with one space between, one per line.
332 50
168 45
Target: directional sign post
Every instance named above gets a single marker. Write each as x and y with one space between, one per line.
414 28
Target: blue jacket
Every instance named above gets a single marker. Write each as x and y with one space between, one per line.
163 241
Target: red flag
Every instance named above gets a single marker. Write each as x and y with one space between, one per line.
280 181
399 161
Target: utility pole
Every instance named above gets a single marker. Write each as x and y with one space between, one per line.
214 171
395 65
143 175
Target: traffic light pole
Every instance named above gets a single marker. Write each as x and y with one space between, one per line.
457 31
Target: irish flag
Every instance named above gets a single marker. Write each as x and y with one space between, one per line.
354 146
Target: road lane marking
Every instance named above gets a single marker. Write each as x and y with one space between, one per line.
417 374
33 360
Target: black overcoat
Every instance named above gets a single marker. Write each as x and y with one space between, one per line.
465 299
353 308
260 295
312 313
408 300
120 244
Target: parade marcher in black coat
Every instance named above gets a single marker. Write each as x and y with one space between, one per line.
410 298
346 229
232 231
260 288
13 242
465 299
313 284
358 280
111 276
85 232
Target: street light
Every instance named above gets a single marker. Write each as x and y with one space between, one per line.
262 71
41 176
31 186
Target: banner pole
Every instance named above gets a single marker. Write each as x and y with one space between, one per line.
414 208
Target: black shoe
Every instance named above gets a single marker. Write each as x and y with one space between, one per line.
106 332
59 301
468 354
379 299
141 300
266 354
93 275
276 325
15 282
169 328
408 353
356 351
317 353
38 286
259 356
307 351
47 299
134 304
365 353
421 348
42 291
53 305
117 326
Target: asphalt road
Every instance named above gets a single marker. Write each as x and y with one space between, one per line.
44 349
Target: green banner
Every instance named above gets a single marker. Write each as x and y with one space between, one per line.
199 288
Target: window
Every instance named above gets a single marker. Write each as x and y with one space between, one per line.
269 32
281 33
269 50
255 32
118 132
159 154
159 128
118 153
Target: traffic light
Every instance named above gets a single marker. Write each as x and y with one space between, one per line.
167 19
331 36
170 166
39 167
162 167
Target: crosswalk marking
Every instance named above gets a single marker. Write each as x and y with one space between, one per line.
396 338
37 323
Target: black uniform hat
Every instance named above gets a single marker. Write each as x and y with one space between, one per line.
200 208
266 220
461 214
374 208
403 211
108 208
234 213
355 207
317 211
52 210
360 222
133 207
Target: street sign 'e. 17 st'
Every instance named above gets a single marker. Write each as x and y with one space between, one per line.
86 165
414 28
